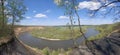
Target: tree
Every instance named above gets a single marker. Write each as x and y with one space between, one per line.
3 19
112 8
71 7
2 14
69 11
17 9
10 9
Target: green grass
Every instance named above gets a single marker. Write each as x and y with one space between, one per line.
60 32
47 51
63 33
104 30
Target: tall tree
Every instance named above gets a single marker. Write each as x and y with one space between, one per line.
3 19
71 7
2 14
11 9
17 9
69 11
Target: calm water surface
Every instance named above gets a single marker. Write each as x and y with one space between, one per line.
28 39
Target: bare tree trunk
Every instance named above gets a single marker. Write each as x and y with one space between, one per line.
72 31
80 29
12 27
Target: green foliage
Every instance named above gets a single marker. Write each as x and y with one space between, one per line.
54 52
16 10
10 9
47 51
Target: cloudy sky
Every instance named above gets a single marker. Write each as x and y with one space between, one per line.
46 12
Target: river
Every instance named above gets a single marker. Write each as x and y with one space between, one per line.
28 39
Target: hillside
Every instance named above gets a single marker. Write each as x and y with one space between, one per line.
106 46
15 47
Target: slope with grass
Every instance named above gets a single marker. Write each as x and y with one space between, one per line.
59 32
105 30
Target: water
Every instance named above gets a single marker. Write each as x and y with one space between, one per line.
28 39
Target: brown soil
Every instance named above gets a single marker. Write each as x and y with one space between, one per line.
19 30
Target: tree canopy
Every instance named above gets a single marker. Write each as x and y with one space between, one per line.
11 11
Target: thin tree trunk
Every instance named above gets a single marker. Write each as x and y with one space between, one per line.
80 29
3 15
13 22
79 24
72 31
12 26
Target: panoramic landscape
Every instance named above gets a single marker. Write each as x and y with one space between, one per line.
59 27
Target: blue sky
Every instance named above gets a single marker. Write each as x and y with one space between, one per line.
46 12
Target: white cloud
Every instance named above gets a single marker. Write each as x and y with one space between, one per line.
47 11
91 5
28 17
40 15
27 8
63 17
111 5
96 21
34 11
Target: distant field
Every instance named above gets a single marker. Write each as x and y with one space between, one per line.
58 32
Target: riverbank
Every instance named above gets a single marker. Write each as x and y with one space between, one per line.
110 46
57 33
21 29
41 43
4 40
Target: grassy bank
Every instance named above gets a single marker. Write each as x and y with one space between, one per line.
47 51
104 30
60 32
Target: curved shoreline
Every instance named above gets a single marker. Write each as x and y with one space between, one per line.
41 43
50 39
47 38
